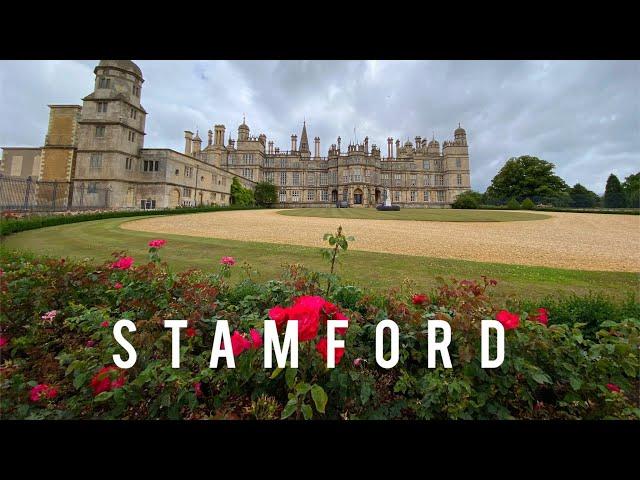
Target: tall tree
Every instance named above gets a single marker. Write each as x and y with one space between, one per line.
631 188
582 197
265 194
613 194
240 196
528 176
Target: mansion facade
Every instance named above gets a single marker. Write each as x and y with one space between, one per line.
99 146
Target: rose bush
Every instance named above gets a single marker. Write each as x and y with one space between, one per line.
59 365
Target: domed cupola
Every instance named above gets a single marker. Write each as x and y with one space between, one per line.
459 133
243 131
124 65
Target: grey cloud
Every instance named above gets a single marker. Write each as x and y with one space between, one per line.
581 115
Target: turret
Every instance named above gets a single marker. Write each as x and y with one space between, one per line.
188 140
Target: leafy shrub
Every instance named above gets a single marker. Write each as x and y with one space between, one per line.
528 204
266 194
468 200
57 345
513 204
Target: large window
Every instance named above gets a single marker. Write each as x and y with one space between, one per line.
102 107
311 179
96 161
296 178
186 191
100 131
268 177
440 196
247 173
458 163
128 163
398 179
295 196
414 180
188 171
283 196
427 180
283 178
426 195
323 179
324 195
104 82
396 196
151 165
414 196
459 179
311 195
425 164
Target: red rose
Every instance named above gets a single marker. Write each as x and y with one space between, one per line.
307 314
123 263
190 332
279 315
321 347
542 316
42 391
104 324
107 379
228 261
419 299
239 343
508 320
117 286
157 243
90 343
256 339
3 341
197 386
613 387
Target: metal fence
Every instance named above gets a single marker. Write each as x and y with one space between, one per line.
29 195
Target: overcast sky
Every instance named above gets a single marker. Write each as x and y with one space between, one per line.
581 115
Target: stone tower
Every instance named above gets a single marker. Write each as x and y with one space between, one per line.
304 142
111 131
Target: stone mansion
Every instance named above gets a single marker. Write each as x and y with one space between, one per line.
100 146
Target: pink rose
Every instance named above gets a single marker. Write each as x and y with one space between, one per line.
157 243
90 343
228 261
239 343
117 286
357 362
3 341
42 391
542 316
49 316
104 324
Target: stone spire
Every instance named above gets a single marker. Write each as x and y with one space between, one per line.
304 141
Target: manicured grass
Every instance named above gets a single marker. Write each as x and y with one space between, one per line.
96 241
421 214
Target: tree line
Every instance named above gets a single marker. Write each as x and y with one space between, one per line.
527 182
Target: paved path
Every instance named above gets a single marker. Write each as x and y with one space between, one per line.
566 240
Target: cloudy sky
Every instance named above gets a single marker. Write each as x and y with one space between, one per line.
581 115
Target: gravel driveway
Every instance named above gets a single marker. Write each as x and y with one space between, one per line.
566 240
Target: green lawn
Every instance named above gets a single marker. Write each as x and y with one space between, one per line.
96 240
422 214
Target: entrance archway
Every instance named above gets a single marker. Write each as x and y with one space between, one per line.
357 196
377 196
334 196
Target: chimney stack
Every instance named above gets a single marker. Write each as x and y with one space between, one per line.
188 137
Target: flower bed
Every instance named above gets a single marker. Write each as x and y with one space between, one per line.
57 347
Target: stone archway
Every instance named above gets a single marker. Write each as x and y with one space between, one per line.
377 196
358 197
174 198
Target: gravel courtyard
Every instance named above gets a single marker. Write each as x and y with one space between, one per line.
566 240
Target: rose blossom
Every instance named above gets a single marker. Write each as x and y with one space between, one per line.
103 381
123 263
105 323
357 362
321 347
613 387
256 339
42 391
239 343
117 286
542 316
419 299
157 243
49 316
197 387
508 320
228 261
90 343
3 341
190 332
280 315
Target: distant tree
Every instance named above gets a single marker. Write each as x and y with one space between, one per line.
582 197
240 196
265 194
513 204
613 194
468 199
527 176
527 204
631 188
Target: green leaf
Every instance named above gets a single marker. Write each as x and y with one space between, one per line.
541 377
275 373
302 388
307 413
576 383
104 396
290 376
289 409
319 398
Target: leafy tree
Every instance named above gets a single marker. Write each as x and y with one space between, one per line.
241 196
613 194
524 177
265 194
631 188
528 204
513 204
468 199
582 197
